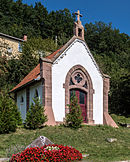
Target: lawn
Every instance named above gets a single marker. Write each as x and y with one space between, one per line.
88 140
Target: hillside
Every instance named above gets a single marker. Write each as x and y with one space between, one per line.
90 140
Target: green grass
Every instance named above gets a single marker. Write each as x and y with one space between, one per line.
88 139
120 119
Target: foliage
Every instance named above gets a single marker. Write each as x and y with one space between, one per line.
48 153
3 70
9 69
120 119
9 114
111 50
74 117
33 49
61 25
14 70
34 21
35 116
120 92
37 47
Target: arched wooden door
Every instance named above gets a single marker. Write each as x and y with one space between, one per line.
82 100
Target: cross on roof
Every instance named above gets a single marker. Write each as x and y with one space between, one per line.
78 15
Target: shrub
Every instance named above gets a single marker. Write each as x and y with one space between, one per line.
74 118
9 114
35 115
49 153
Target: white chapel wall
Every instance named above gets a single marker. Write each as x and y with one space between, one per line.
76 55
22 100
21 103
38 87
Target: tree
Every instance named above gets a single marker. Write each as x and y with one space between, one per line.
33 49
9 115
34 21
74 118
4 65
111 50
61 25
35 116
17 69
119 96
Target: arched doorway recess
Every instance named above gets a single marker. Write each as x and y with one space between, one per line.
78 80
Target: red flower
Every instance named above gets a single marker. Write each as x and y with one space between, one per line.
48 153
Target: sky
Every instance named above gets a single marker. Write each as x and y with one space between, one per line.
115 11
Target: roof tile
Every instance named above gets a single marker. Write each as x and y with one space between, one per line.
53 54
31 76
34 73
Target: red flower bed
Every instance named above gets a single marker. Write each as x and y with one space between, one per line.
48 153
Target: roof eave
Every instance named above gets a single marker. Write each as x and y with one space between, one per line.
11 37
65 47
23 86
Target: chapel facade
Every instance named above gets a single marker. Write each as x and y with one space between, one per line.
71 69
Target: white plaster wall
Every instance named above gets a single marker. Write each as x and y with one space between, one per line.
37 86
22 105
76 55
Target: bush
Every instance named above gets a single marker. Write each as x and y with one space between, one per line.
54 153
74 118
35 115
9 115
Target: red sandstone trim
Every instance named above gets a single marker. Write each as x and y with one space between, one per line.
89 90
107 120
46 76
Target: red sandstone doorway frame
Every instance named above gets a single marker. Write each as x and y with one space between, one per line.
82 101
78 69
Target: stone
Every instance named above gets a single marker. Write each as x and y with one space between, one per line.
85 155
4 159
40 141
128 125
111 140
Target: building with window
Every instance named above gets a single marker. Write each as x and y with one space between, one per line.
10 46
71 69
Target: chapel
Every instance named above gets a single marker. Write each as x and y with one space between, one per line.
70 69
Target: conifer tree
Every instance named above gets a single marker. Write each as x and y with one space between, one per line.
35 116
9 115
74 118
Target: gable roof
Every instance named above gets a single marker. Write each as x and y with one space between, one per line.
53 54
32 76
57 53
35 73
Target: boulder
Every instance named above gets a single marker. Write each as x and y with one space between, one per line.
128 125
40 141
